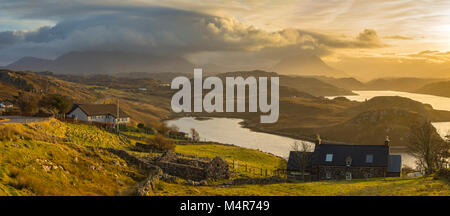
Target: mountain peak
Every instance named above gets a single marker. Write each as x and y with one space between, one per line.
306 65
103 62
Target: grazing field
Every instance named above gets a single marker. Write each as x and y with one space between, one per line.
58 158
52 158
417 186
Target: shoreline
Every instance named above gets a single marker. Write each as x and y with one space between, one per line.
245 124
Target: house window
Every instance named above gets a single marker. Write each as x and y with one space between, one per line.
348 176
369 158
328 175
329 158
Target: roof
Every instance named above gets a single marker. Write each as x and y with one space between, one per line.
358 154
295 161
99 109
395 163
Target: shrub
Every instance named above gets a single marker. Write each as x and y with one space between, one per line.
160 143
56 103
28 102
19 180
444 173
13 172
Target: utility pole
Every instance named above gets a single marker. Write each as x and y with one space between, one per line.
117 116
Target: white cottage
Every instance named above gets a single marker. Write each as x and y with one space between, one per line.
103 113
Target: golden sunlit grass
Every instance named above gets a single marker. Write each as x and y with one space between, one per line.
52 158
241 156
36 161
418 186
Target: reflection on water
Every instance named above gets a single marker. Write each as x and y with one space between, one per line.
226 130
229 131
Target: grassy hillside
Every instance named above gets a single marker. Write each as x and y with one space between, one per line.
345 83
309 85
401 186
52 158
143 106
417 186
55 158
242 157
437 88
12 82
343 120
398 84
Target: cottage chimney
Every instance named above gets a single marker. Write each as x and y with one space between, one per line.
318 140
387 142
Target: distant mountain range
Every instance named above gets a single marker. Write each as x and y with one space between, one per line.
114 62
306 65
437 88
407 84
103 62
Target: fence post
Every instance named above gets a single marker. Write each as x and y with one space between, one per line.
266 172
261 171
233 164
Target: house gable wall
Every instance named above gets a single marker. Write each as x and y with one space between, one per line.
79 114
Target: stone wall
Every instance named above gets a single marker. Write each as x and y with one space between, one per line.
339 172
149 185
132 159
182 170
218 168
171 164
196 170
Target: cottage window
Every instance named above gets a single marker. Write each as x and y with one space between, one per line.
369 158
329 158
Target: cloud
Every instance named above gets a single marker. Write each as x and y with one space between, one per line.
398 37
431 56
161 31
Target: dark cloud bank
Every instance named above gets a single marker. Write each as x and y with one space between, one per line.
152 37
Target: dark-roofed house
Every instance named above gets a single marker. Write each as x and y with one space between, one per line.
342 161
394 166
103 113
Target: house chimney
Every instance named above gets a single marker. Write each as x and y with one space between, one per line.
387 142
318 140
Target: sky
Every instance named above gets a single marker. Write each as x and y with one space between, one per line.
347 34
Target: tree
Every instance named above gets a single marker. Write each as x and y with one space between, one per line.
28 102
56 103
430 150
302 148
195 135
160 143
163 128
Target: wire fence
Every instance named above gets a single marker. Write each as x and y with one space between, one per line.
241 167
